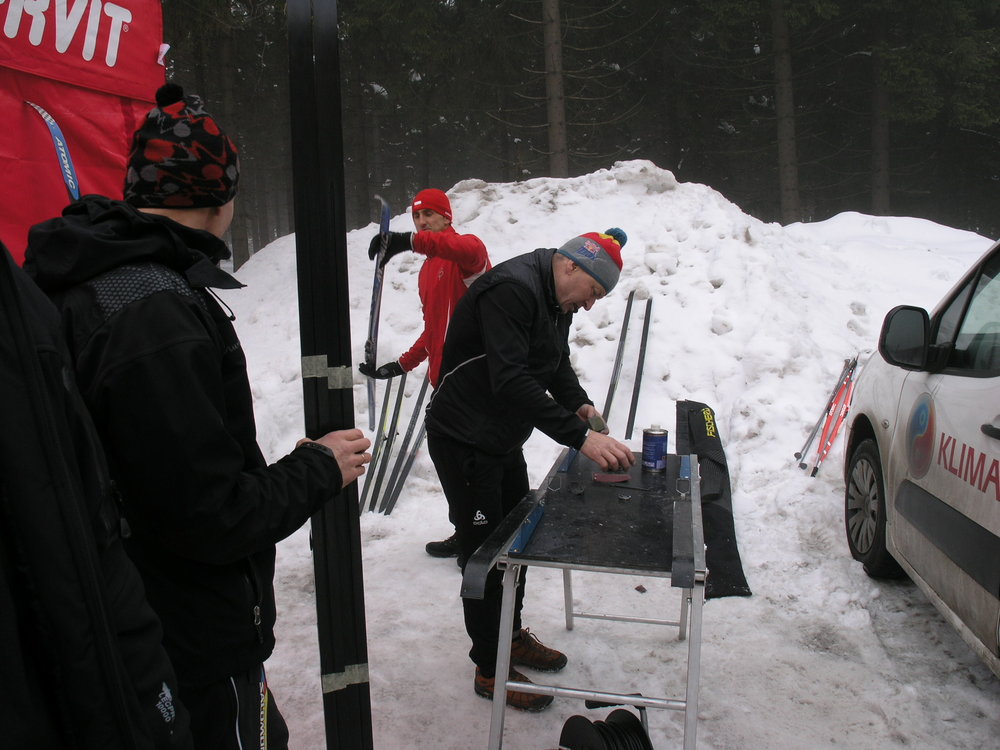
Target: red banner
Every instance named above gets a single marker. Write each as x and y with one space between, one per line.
93 67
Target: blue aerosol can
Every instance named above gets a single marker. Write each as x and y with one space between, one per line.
654 449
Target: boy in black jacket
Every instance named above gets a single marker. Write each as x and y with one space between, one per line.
164 376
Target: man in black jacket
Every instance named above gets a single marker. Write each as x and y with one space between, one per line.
506 351
165 378
81 651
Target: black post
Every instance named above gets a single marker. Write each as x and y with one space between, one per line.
327 372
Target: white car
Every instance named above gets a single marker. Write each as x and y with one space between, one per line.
923 455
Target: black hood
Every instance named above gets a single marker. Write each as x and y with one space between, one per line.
96 234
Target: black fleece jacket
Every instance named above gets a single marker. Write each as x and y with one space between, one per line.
81 651
506 351
164 375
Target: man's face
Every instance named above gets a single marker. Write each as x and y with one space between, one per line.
575 288
426 220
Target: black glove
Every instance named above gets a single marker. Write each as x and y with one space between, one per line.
388 370
399 242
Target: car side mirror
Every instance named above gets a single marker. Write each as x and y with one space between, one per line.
905 337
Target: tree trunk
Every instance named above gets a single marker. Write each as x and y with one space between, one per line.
880 140
784 107
554 94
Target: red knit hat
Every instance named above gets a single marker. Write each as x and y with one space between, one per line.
433 199
180 157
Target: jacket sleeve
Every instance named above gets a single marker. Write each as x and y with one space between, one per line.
507 315
416 353
565 387
466 250
155 383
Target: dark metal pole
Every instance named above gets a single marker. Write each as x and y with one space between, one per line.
327 372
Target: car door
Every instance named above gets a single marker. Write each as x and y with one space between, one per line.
946 506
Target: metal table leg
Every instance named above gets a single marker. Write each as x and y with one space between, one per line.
510 575
697 600
568 597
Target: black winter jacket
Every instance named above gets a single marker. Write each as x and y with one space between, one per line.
81 654
164 375
506 350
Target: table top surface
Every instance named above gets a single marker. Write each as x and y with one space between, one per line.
624 525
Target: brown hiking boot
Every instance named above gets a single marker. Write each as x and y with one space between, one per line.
515 699
527 651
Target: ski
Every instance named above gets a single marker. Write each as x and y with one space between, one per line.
804 450
397 474
618 358
389 438
371 344
640 363
62 152
839 415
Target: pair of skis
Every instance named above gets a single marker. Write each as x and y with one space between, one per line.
383 486
831 419
640 363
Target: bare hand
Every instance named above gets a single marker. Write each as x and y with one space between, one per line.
606 452
349 449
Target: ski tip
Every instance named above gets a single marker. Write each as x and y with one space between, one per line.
813 472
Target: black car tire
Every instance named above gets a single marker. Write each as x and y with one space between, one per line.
864 513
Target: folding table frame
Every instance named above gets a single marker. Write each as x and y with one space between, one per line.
643 524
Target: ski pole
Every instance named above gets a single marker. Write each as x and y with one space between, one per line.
377 439
390 437
395 477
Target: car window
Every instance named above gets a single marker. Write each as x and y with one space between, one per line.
973 325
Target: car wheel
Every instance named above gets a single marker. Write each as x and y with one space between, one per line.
864 513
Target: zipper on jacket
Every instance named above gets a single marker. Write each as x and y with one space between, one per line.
251 579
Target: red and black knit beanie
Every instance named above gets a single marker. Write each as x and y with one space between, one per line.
180 157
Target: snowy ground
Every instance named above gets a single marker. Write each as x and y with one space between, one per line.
754 319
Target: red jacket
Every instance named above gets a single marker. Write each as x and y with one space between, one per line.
453 262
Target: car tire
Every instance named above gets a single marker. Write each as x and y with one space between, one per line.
864 513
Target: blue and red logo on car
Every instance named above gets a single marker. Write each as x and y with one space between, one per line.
920 436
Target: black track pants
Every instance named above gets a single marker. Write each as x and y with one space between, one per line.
481 490
237 713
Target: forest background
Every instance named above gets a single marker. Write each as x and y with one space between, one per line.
795 110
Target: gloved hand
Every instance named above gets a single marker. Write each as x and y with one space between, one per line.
399 242
388 370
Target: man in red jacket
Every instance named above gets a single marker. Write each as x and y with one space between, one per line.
453 262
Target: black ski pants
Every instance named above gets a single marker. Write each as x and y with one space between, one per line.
481 490
237 713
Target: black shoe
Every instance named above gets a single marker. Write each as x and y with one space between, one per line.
447 548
